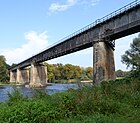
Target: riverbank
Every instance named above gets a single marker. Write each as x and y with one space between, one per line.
6 84
72 81
112 102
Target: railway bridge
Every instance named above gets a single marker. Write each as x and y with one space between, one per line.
100 35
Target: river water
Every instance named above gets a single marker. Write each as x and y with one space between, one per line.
28 92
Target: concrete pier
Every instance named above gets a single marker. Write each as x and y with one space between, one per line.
13 76
38 77
103 62
22 76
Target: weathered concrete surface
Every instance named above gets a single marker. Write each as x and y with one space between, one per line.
13 76
22 76
103 62
38 77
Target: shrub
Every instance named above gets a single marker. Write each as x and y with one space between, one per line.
110 102
15 96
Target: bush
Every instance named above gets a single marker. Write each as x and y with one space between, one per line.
110 102
15 96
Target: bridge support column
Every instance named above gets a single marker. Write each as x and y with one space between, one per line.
22 76
38 75
103 62
13 75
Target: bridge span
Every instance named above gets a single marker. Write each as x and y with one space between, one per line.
100 35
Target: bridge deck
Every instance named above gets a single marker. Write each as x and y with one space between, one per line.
120 23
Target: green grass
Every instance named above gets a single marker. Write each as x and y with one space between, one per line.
7 84
111 102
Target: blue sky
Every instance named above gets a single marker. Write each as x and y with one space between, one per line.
29 26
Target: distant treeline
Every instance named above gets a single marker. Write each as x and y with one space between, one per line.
120 73
68 72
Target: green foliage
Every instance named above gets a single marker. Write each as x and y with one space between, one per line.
110 102
3 70
132 56
50 72
15 96
40 94
68 71
89 72
58 72
120 73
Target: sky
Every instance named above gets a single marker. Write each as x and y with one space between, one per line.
30 26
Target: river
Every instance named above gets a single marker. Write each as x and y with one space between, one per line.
28 92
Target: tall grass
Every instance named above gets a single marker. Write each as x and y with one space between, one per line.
15 96
110 102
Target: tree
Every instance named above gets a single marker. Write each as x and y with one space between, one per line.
50 72
120 73
89 72
61 70
77 72
132 56
3 69
68 71
13 65
57 72
84 74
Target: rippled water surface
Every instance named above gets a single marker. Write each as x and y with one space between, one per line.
54 88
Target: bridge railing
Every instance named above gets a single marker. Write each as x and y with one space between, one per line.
98 21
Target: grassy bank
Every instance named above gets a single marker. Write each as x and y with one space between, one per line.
6 84
111 102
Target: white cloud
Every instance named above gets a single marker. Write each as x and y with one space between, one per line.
94 2
62 7
89 2
35 43
57 7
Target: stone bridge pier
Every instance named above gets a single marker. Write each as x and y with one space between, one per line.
22 76
35 76
103 62
13 76
38 75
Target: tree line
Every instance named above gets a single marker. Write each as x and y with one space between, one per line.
68 72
